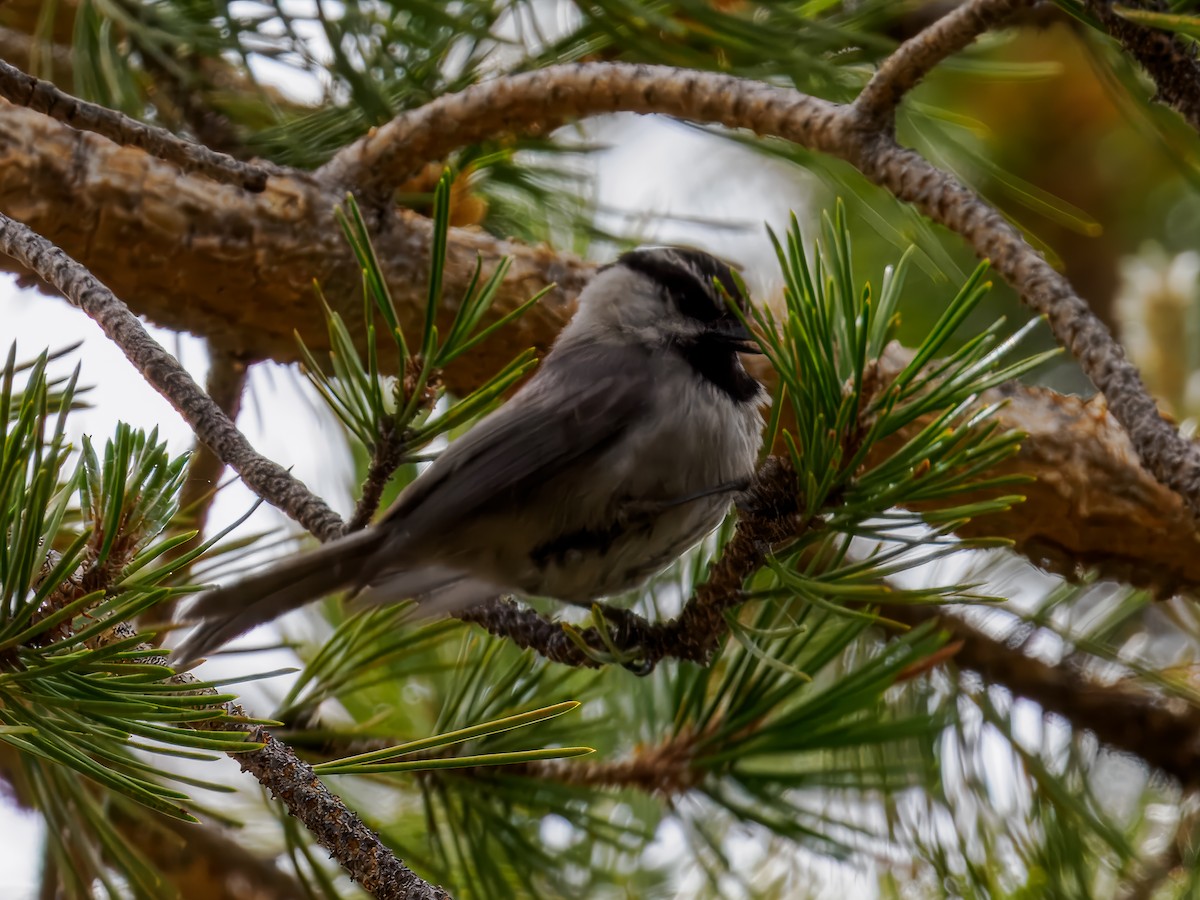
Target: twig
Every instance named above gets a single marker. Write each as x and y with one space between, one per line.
389 453
666 769
335 826
293 782
547 98
529 630
1168 59
1165 733
267 479
913 60
769 517
42 96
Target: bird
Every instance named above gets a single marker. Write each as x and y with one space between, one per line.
627 446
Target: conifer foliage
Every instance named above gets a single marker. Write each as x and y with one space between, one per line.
828 696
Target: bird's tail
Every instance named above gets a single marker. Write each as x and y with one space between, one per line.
227 612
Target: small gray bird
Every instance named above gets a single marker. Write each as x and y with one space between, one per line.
623 450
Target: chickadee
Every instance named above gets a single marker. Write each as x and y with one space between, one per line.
623 450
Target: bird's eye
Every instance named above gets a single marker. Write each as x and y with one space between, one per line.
697 303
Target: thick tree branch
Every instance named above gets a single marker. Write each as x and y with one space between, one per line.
913 60
43 97
238 268
161 370
1165 733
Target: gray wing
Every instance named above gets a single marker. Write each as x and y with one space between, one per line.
581 401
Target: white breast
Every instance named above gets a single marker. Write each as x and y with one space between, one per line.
696 439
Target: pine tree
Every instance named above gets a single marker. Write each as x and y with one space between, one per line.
943 646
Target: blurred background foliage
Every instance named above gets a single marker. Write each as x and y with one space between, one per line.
822 755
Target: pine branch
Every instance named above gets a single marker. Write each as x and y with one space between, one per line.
1088 506
548 97
335 826
1090 485
666 769
916 57
910 178
1167 58
1093 484
161 370
44 97
1173 459
544 99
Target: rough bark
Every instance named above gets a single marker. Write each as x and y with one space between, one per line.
1090 504
238 268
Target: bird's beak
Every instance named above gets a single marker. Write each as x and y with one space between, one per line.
733 333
